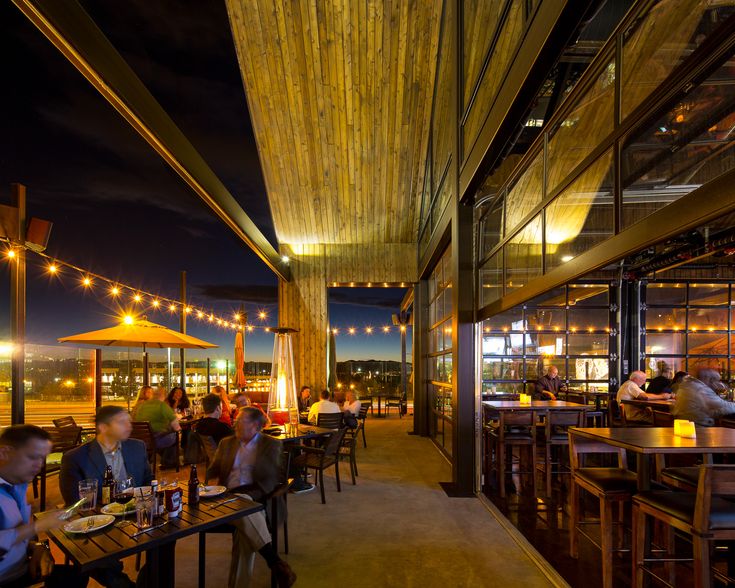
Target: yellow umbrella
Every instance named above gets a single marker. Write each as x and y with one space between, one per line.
138 333
239 360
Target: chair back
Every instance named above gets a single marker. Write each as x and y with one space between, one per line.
579 447
67 421
142 431
577 398
615 414
517 418
200 448
329 420
65 438
727 423
563 418
335 440
662 419
714 480
364 407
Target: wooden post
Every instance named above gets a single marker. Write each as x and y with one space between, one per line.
182 329
97 379
18 309
209 368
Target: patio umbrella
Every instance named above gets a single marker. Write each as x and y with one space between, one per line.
239 360
138 333
332 364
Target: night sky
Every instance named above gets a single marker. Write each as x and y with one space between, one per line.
119 210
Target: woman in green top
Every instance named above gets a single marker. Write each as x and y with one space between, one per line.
164 425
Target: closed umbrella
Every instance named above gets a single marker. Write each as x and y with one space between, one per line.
138 333
332 364
239 360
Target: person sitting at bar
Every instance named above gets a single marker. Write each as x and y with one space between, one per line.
325 405
24 561
210 425
164 424
304 399
548 386
352 404
250 462
631 390
145 393
662 382
698 400
178 400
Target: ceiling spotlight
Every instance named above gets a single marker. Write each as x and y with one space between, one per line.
285 258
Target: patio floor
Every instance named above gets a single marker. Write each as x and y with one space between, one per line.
397 527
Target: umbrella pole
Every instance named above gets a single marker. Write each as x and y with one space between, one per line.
146 381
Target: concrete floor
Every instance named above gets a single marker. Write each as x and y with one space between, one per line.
396 527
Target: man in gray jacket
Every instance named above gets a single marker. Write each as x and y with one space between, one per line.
697 399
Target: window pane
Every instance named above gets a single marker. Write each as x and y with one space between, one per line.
502 388
501 368
491 279
588 344
664 343
505 320
666 294
558 362
497 346
532 369
480 19
584 128
523 256
707 343
525 194
555 297
703 319
584 319
589 369
448 433
715 363
588 295
708 294
685 147
654 365
666 318
492 228
546 319
582 216
546 344
655 45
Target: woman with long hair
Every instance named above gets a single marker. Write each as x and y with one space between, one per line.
226 417
178 400
145 393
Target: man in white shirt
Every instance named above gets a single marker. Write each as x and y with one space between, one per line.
632 390
323 406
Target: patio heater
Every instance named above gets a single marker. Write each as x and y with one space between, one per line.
283 406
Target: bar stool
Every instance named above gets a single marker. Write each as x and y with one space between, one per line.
706 516
556 425
609 485
516 428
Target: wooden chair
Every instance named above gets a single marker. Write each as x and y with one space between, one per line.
142 431
515 428
706 516
556 425
662 419
615 414
362 417
396 402
321 458
348 449
367 401
610 485
329 420
62 440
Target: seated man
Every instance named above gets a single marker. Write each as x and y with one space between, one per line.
210 425
632 390
548 386
697 399
23 562
249 462
164 424
323 406
662 382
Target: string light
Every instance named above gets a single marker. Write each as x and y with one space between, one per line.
172 307
155 304
86 282
11 253
386 329
351 330
200 314
137 298
262 315
52 268
369 330
114 290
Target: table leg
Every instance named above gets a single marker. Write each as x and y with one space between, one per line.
644 484
380 415
160 567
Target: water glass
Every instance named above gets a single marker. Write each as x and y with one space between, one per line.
144 511
88 490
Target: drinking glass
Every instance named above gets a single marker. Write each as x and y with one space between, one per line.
123 490
88 491
144 512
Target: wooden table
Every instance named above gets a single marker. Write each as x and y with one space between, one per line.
289 434
113 543
535 405
647 441
662 405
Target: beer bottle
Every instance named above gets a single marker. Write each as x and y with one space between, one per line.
108 486
193 486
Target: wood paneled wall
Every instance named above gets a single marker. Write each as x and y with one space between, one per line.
303 302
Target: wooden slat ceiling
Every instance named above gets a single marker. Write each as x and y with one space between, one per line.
340 96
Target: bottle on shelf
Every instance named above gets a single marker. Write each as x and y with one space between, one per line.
108 486
193 488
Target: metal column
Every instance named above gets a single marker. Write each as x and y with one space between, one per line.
18 309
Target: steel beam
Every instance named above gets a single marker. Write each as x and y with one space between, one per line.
78 38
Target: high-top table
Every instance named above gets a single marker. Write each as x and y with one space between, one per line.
535 405
662 405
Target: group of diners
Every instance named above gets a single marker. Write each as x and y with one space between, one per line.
328 404
246 462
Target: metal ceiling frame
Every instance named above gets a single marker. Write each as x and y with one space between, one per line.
78 38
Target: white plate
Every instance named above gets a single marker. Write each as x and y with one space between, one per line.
81 525
211 491
112 511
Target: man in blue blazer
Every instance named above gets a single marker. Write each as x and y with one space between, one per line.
112 447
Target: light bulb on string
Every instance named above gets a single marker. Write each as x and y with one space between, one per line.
137 298
10 253
172 307
114 290
155 303
200 314
86 281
